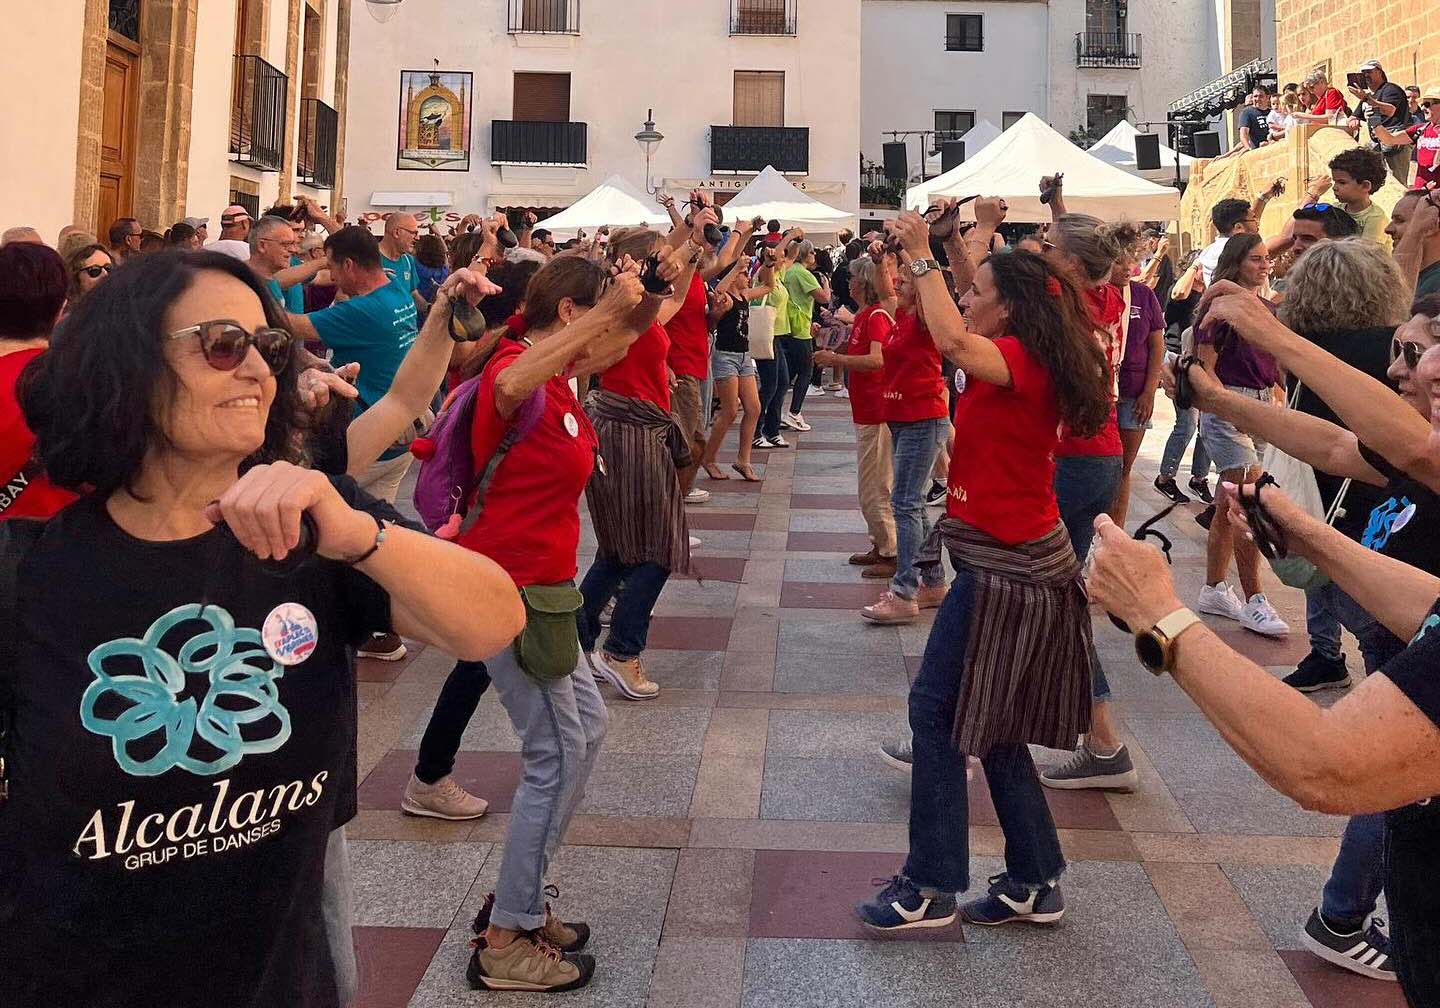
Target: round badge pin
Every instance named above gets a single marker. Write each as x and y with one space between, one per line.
290 633
572 425
959 382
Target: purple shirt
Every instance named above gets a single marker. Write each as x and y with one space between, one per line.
1237 363
1146 317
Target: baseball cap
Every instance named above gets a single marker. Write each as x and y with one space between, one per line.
233 214
1373 64
198 222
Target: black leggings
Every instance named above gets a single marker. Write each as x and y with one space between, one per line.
797 360
456 704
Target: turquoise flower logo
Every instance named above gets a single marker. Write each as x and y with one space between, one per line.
152 730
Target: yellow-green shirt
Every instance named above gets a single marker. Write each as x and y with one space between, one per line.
1372 221
779 299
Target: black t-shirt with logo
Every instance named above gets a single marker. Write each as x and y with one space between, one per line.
1405 523
183 742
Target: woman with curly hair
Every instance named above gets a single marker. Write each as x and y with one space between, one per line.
1015 623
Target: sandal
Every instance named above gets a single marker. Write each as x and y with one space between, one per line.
714 471
747 472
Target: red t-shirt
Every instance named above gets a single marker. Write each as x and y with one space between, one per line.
641 374
1332 101
867 388
1002 472
1427 146
530 524
689 332
1106 305
914 385
40 498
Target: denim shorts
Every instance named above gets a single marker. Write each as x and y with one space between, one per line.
1125 411
1228 447
731 364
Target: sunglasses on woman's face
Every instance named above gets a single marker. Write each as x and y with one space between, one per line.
225 343
95 272
1409 349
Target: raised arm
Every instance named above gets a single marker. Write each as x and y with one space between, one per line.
1424 222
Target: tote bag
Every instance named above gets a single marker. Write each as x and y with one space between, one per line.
762 331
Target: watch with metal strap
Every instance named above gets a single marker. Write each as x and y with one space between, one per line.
919 267
1156 647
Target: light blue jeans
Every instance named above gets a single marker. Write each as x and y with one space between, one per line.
561 726
1186 421
915 444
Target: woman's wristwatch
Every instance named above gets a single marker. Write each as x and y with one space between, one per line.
1156 647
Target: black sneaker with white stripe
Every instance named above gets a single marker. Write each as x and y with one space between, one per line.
1363 950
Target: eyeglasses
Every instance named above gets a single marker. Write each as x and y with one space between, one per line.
1409 349
225 342
95 272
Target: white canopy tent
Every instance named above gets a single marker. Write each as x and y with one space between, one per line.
771 196
1118 148
976 138
1012 166
614 202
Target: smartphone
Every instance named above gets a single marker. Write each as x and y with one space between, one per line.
1355 80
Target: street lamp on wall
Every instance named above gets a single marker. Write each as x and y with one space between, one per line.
649 138
382 10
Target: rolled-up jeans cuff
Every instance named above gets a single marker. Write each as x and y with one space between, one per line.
516 922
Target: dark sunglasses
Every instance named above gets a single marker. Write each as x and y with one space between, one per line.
225 343
95 272
1409 349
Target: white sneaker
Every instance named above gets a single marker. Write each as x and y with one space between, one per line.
761 442
1259 616
697 496
694 542
842 393
778 441
445 799
798 422
1220 600
787 421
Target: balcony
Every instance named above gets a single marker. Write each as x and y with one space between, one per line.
1114 50
257 114
544 17
315 165
751 148
561 144
762 17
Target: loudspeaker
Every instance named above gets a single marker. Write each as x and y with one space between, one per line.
1207 144
1147 151
896 163
952 154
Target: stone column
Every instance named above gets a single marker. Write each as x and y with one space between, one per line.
342 98
292 101
167 74
92 112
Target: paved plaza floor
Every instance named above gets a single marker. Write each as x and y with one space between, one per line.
732 822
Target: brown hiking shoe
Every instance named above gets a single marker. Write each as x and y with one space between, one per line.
866 559
930 598
626 674
881 570
567 936
529 963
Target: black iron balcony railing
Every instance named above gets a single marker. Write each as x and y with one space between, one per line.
751 148
762 17
544 17
250 201
315 165
257 114
1107 49
538 143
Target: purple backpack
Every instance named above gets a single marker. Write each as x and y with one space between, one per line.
449 494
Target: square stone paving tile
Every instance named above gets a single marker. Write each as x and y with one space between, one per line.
726 489
689 592
829 567
819 501
1070 809
490 775
1046 975
1280 897
391 961
712 568
826 521
821 631
834 790
634 784
812 894
729 542
831 594
827 542
689 633
621 891
1332 987
400 883
836 735
719 521
691 670
869 675
663 731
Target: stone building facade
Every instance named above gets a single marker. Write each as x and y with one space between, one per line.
1404 35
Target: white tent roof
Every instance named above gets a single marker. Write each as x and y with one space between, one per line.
1012 166
1118 148
771 196
976 137
615 202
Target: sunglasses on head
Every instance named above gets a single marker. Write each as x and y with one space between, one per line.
1409 349
1317 207
95 272
225 343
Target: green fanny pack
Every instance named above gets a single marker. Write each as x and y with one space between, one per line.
548 649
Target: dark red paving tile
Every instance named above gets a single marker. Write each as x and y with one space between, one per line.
391 962
493 776
1087 810
699 518
827 542
830 594
1266 650
713 568
811 894
689 633
371 670
826 502
719 488
1329 986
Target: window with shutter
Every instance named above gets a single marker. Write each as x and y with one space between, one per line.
759 98
542 97
964 33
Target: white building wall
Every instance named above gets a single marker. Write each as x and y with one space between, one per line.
40 74
207 189
908 75
630 55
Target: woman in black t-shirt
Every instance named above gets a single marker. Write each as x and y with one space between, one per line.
733 368
181 693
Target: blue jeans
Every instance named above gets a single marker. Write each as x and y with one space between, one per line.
1322 625
1186 422
939 802
1085 486
797 364
1377 644
915 444
774 380
630 624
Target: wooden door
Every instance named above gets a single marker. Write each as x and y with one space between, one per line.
116 194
